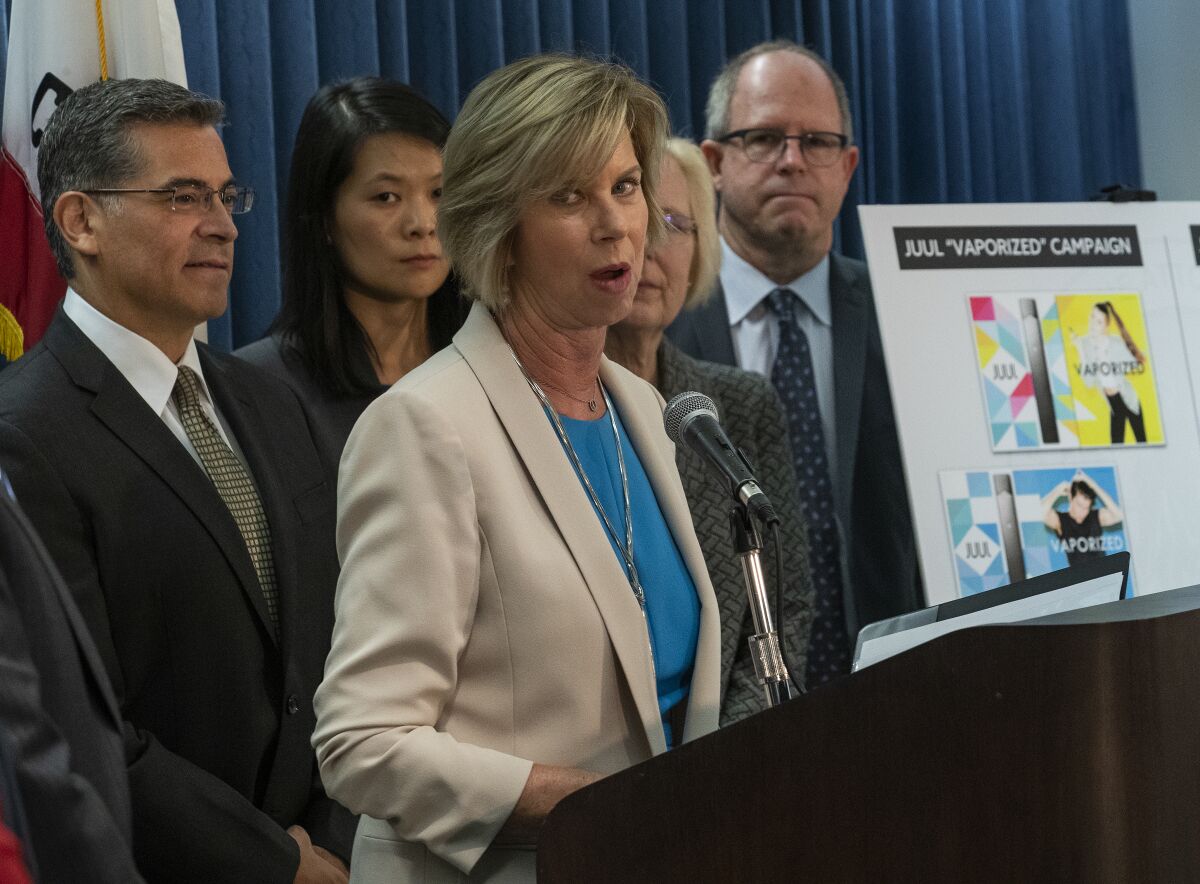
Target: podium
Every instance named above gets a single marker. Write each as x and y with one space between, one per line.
1064 749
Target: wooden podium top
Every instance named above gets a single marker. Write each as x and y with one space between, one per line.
1066 749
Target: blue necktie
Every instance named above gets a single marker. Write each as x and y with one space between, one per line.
796 383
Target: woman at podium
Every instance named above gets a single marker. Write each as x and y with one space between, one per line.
523 606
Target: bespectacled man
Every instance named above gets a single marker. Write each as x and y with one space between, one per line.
780 146
180 493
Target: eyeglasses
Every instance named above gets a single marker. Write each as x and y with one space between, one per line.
767 145
195 198
677 222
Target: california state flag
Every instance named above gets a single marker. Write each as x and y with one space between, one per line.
55 47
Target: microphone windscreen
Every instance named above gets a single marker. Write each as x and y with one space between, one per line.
682 409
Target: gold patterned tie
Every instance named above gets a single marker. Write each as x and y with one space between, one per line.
233 484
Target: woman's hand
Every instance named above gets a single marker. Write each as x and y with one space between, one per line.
547 785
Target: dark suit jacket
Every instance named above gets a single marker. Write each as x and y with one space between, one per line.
753 418
332 416
872 501
219 715
60 720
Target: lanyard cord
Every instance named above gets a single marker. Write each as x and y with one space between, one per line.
626 548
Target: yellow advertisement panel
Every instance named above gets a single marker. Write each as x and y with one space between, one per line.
1110 369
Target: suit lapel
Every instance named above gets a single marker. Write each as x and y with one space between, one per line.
533 438
849 363
657 456
118 406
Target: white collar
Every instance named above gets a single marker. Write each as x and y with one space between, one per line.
746 286
146 367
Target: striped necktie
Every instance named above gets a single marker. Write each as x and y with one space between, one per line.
233 484
795 381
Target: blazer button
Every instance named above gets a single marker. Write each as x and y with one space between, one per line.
293 704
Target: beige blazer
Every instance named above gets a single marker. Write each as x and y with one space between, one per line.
483 620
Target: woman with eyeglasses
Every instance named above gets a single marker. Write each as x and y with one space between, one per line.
366 293
680 273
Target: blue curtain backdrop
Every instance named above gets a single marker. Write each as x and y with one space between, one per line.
953 100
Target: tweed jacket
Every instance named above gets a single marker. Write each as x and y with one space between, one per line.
752 416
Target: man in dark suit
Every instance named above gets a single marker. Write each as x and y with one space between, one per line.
59 720
780 150
180 494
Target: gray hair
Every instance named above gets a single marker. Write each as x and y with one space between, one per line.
89 145
720 94
527 130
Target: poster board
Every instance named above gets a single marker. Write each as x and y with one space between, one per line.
1044 362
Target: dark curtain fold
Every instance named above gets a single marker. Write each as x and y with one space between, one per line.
954 100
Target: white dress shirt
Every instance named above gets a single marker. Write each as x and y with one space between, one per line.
148 370
755 328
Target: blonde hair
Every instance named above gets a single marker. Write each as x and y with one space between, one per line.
529 130
706 260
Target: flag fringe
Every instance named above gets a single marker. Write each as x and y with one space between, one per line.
100 36
12 338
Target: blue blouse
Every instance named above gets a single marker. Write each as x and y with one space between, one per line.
672 605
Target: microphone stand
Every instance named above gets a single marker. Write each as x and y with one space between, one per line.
764 644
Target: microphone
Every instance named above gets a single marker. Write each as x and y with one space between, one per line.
692 418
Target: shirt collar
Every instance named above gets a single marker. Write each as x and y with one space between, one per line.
746 286
146 367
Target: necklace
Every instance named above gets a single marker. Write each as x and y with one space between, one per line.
590 403
626 547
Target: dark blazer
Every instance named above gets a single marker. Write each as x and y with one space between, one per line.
60 720
876 526
753 418
331 415
219 714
